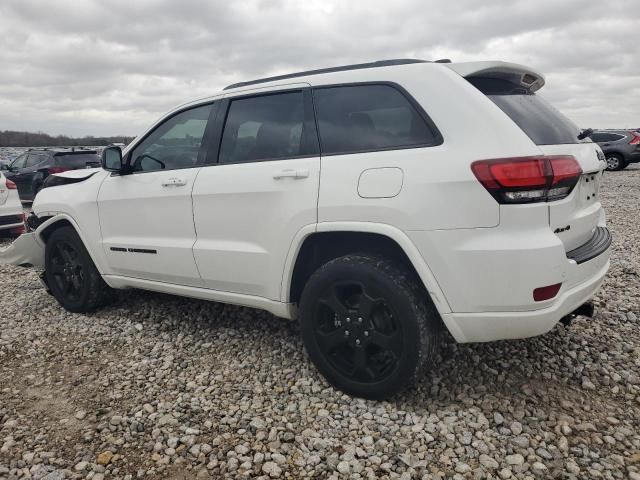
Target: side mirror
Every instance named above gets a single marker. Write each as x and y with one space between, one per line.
4 166
112 159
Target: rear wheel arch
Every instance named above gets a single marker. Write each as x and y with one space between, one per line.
318 248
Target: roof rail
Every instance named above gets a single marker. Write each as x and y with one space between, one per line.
343 68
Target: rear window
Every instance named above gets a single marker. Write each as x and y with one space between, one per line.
535 116
361 118
78 160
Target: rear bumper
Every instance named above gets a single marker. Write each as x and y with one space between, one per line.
489 326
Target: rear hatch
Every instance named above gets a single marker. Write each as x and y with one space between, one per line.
512 88
575 218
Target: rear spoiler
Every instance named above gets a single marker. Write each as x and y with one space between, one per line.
520 74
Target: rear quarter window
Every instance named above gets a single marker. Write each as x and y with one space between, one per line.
542 122
360 118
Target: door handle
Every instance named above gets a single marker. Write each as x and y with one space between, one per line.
290 173
174 182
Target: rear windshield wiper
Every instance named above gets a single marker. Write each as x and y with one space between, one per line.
587 132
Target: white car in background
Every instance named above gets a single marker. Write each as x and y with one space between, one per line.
11 212
376 203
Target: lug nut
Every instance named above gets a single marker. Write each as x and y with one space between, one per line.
366 333
357 341
346 333
359 319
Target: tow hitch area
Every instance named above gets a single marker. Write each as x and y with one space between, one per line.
586 310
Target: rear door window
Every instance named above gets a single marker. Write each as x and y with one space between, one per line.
360 118
35 159
267 127
535 116
606 137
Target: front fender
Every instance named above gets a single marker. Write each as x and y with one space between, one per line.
28 249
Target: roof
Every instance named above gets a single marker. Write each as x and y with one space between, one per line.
342 68
528 77
62 150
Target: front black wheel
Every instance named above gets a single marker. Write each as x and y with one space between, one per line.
71 275
367 325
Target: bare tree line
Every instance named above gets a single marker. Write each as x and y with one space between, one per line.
10 138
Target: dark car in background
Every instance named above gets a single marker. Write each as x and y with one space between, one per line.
29 170
620 147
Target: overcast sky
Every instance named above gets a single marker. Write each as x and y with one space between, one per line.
103 67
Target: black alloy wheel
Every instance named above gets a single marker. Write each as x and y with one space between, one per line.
368 325
71 275
357 332
67 270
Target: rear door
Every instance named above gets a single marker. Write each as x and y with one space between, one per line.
25 177
17 172
574 219
259 189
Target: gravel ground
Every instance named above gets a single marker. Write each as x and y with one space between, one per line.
157 386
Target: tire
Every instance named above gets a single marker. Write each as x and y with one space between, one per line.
71 275
615 162
368 326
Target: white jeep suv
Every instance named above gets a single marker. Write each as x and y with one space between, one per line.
376 203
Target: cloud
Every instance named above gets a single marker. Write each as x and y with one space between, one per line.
111 67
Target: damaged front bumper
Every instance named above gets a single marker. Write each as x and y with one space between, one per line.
26 251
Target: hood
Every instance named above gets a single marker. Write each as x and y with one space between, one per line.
69 177
79 173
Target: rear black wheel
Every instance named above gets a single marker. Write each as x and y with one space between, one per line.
71 275
367 325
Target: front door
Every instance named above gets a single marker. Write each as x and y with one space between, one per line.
260 189
146 216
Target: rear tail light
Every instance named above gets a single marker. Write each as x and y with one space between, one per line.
636 138
546 293
57 169
11 185
528 179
